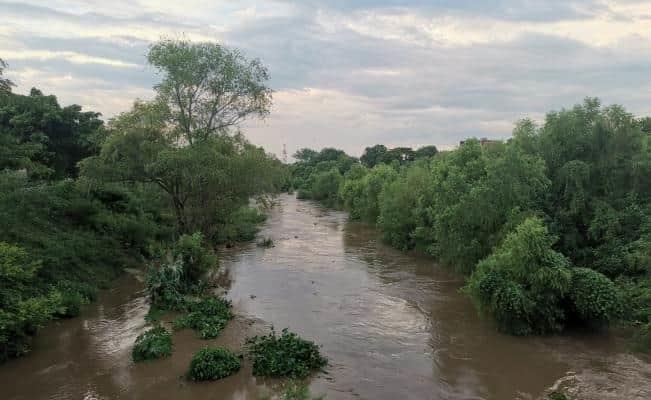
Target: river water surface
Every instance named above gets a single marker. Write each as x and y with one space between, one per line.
393 326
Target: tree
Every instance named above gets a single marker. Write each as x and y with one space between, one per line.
44 137
5 84
373 155
209 88
219 175
361 195
426 152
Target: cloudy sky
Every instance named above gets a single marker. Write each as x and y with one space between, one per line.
351 74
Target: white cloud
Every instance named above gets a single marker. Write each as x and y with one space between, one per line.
350 74
70 56
605 28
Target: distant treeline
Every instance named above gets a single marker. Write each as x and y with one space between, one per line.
80 200
552 227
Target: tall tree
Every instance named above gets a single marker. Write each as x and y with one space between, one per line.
46 139
5 84
208 88
373 155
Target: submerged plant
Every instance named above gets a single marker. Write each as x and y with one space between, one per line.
164 284
208 316
210 364
266 243
152 344
285 355
299 391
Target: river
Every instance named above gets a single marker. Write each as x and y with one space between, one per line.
393 326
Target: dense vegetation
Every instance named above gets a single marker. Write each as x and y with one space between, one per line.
286 355
208 317
210 364
80 200
152 344
552 227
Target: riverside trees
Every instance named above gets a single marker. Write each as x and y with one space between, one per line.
552 227
80 200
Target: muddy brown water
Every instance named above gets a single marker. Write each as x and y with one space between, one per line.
393 325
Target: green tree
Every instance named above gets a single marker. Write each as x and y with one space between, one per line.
5 84
361 196
373 155
401 205
425 152
522 284
202 182
44 137
209 88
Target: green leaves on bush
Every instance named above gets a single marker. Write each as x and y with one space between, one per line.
73 296
298 391
523 283
286 355
595 297
530 288
210 364
152 344
240 225
209 317
164 285
196 258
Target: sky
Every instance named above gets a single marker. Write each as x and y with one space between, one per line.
350 74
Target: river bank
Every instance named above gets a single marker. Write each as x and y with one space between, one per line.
393 325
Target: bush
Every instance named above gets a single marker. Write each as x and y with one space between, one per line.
211 364
240 225
266 243
325 187
208 316
73 296
286 355
298 391
22 310
595 297
524 282
398 204
164 285
152 344
196 259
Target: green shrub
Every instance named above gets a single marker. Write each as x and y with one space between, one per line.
211 364
286 355
298 391
73 296
595 297
239 225
152 344
209 317
196 258
524 282
325 187
22 309
266 243
164 285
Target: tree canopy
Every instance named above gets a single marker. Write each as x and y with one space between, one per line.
208 88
